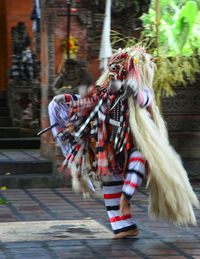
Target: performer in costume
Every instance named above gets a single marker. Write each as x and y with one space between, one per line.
115 133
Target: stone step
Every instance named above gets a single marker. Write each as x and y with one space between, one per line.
6 121
3 102
4 111
26 167
9 132
20 143
32 181
24 162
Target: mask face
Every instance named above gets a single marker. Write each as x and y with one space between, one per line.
117 70
132 64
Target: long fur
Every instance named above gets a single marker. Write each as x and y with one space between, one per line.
171 194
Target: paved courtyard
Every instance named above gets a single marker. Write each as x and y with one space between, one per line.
57 223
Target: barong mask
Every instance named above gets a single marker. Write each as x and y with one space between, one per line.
127 68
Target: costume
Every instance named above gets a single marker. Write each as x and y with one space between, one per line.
116 132
59 115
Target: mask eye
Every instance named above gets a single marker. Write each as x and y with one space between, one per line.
112 67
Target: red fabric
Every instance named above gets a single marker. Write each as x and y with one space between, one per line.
141 99
131 184
60 130
136 159
118 218
68 98
106 157
112 195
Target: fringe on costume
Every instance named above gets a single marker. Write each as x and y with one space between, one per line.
171 194
82 181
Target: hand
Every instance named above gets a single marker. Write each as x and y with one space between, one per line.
124 206
60 98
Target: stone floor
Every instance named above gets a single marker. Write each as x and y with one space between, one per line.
57 223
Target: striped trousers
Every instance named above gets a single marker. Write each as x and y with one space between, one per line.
113 187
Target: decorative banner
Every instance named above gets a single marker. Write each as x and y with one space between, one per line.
105 48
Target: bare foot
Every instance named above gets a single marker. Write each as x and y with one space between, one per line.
132 232
125 208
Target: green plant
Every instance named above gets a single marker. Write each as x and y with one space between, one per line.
171 71
178 26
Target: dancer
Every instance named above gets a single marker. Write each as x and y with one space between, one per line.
115 133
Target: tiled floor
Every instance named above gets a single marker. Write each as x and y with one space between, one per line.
156 239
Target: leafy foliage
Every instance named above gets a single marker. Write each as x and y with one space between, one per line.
174 71
179 26
171 71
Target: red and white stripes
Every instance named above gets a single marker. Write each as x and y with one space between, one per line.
113 187
135 173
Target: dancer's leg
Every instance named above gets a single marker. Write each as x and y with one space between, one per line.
117 194
134 174
112 187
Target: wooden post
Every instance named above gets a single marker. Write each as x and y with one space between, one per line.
157 7
69 2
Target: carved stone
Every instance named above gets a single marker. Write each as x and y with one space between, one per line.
24 103
85 18
185 101
75 74
20 38
182 115
23 89
119 7
183 124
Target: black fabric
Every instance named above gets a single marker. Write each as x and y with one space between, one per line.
75 97
113 183
100 149
146 101
136 172
134 226
112 208
128 197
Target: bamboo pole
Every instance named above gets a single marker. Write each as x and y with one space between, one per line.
69 2
157 7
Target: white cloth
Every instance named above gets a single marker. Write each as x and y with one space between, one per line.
105 48
62 118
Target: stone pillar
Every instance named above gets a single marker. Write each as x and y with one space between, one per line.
47 74
53 31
